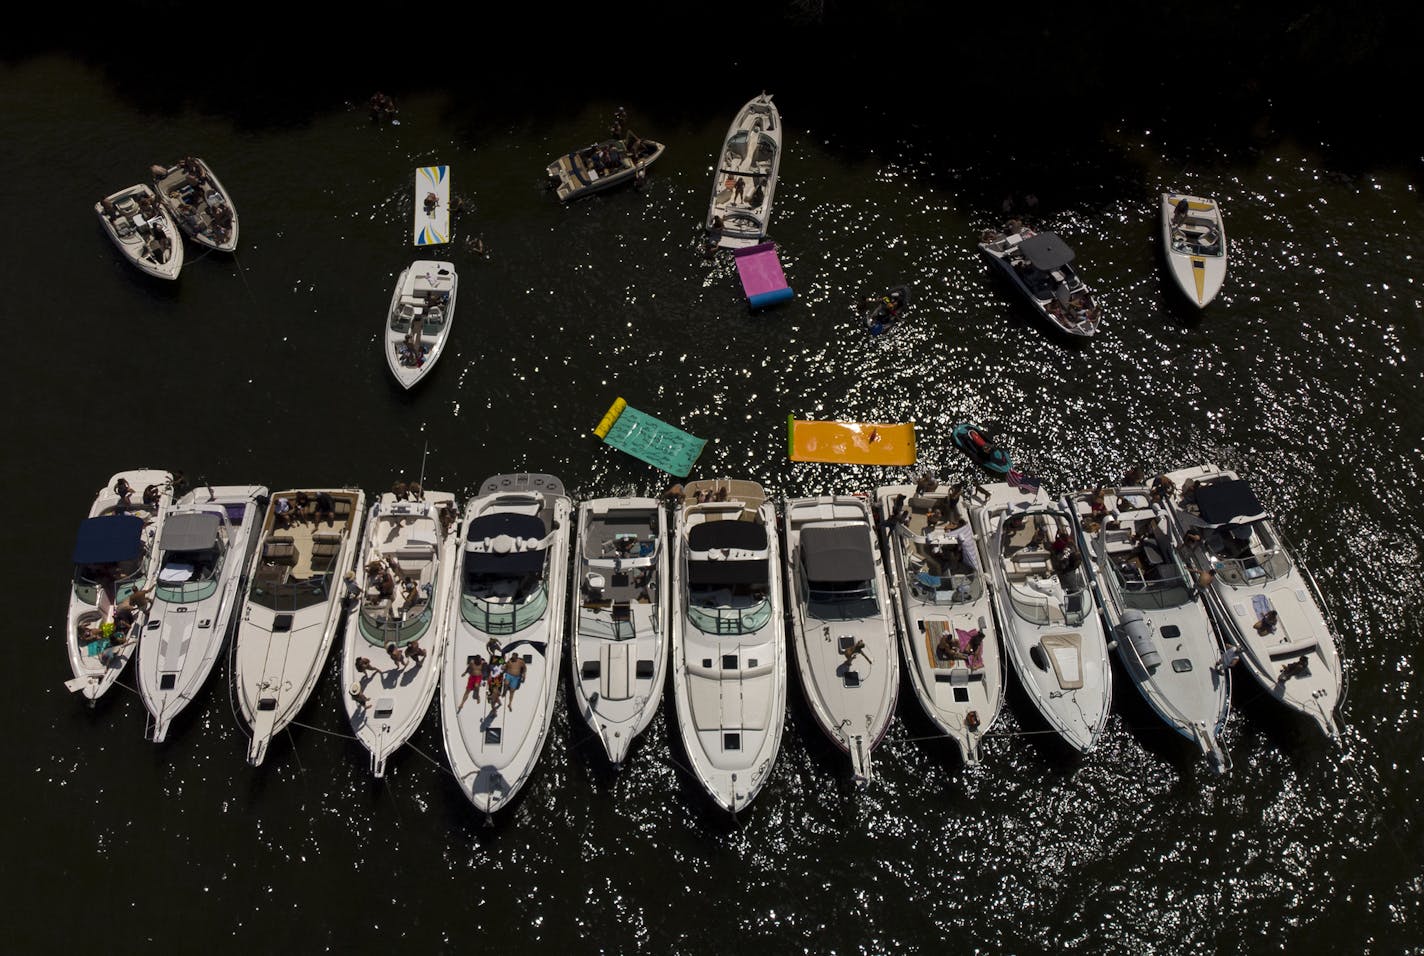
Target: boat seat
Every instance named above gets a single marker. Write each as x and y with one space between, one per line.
325 549
281 549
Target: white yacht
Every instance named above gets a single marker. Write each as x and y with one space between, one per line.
407 573
308 541
842 622
115 554
1156 617
419 319
1039 264
744 177
513 571
1048 619
139 226
198 203
728 643
1265 602
618 622
1194 238
943 608
205 548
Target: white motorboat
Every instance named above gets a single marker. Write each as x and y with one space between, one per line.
205 549
618 623
1047 616
408 555
309 540
843 622
419 319
744 177
513 571
140 227
115 555
602 166
1195 241
728 643
1156 617
1039 265
197 201
1265 602
943 607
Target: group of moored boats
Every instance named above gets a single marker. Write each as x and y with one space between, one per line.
712 582
145 223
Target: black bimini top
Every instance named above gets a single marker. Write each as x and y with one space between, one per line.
190 532
512 526
743 535
836 554
1046 251
1225 502
109 539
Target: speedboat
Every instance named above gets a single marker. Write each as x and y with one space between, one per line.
618 623
205 548
1195 241
943 608
1047 615
1157 619
602 166
1038 263
728 644
115 555
292 606
413 541
885 313
419 319
198 203
512 570
744 178
141 229
842 622
1264 600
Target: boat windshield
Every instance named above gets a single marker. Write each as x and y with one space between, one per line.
1163 586
294 594
380 629
188 576
841 600
1247 555
498 614
726 619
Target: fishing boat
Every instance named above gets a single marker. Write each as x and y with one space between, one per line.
1156 618
602 166
884 313
419 319
744 176
308 541
115 556
197 201
728 644
1264 600
1039 266
513 570
618 621
205 549
943 608
843 623
407 556
1195 242
140 227
1048 619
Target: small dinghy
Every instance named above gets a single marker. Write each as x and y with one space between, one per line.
602 166
744 179
198 203
885 313
418 322
979 445
1195 241
141 229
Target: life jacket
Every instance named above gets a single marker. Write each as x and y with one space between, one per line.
979 441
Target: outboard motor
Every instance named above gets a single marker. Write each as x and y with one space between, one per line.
1135 628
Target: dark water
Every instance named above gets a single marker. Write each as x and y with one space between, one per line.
264 367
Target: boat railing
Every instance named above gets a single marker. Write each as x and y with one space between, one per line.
1254 569
730 620
1031 607
596 622
187 592
495 618
381 628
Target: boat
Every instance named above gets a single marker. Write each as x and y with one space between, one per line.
943 607
115 557
1194 239
843 624
602 166
979 445
744 177
618 622
1156 618
419 319
1048 619
414 542
1039 264
140 227
1265 602
885 313
205 550
728 644
292 605
513 571
198 203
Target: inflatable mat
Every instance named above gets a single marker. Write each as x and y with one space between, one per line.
649 439
432 205
762 278
852 443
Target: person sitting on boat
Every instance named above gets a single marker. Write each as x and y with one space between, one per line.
758 192
948 649
973 646
1180 211
325 508
1267 623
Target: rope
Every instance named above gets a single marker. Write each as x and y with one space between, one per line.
320 730
243 278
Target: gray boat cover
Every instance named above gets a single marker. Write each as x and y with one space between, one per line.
837 554
190 531
1046 251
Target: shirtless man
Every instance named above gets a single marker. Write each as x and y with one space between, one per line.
514 670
